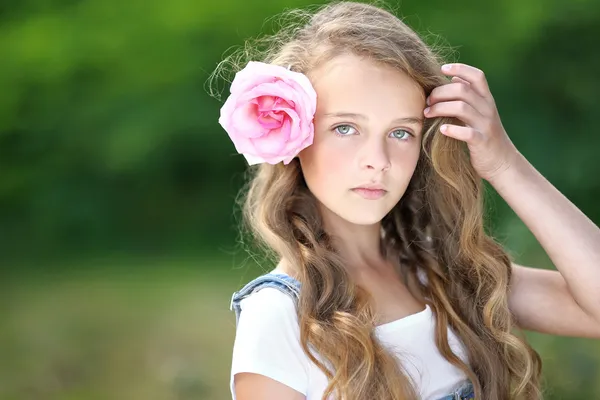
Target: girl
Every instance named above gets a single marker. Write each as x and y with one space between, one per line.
386 285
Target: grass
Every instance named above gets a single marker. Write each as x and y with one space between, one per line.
118 333
163 330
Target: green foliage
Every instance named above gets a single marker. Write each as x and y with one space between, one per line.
109 142
163 330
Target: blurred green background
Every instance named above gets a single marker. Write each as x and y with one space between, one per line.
118 233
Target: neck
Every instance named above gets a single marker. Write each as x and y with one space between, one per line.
358 245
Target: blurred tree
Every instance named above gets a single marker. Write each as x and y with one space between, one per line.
109 142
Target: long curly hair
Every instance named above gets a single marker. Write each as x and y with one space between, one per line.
436 229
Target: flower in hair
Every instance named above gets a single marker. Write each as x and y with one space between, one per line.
269 113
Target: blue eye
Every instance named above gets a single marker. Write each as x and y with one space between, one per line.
401 134
344 130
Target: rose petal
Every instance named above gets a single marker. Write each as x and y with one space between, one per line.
279 89
272 143
266 103
257 72
252 159
271 120
294 130
269 114
244 122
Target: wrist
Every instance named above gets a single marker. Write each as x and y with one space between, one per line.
511 168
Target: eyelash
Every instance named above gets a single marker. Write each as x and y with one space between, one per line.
335 130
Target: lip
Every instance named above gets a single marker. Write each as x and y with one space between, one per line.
371 186
370 194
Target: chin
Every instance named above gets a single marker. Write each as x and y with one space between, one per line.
363 218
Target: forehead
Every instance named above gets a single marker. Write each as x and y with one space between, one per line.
354 84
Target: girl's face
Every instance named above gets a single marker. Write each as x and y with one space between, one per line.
367 134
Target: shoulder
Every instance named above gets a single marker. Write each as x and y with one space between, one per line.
269 305
253 292
267 340
268 317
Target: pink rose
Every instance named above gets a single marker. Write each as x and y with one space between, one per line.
269 113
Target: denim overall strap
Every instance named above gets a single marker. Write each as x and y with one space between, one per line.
464 392
281 282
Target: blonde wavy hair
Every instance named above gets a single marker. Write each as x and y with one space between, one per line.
437 227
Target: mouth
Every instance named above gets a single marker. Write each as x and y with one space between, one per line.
370 193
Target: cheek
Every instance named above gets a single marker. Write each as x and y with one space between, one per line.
404 164
406 156
324 168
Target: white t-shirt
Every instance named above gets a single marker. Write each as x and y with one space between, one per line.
267 342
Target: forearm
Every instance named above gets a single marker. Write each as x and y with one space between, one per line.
571 240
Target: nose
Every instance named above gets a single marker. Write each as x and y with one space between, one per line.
375 155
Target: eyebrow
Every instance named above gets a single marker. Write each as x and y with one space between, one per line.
409 120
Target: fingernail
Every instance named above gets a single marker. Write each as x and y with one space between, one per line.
427 101
446 67
443 128
427 110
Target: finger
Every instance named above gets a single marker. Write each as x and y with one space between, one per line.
459 80
473 75
459 109
463 133
458 91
